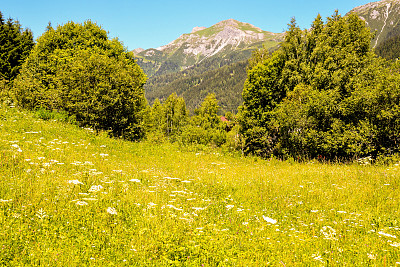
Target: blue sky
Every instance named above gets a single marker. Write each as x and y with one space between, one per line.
153 23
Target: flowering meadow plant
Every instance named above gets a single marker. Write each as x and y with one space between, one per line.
71 197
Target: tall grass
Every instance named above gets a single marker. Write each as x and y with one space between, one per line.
71 197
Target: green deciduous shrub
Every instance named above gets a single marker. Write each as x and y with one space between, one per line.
77 69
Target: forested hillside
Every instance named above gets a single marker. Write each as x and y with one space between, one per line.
390 47
193 84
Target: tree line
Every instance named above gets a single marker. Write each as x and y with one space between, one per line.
323 94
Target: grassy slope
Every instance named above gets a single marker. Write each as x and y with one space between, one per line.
336 214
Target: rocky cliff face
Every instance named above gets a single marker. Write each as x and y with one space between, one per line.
227 39
382 17
206 42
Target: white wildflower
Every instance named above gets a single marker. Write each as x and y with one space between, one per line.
112 211
173 207
317 257
17 147
178 192
395 244
41 214
5 200
387 235
103 155
81 203
198 208
229 206
95 188
329 233
134 180
74 182
16 215
269 220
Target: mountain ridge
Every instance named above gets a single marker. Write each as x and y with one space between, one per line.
223 38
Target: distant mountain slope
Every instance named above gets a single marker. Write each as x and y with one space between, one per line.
193 84
227 39
207 60
382 17
390 47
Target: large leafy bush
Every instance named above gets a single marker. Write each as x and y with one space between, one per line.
323 94
76 68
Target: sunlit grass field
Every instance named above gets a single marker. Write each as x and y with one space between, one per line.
69 197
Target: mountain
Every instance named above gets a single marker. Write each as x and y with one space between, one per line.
198 63
382 17
226 39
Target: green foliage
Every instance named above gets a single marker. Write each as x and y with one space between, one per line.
170 121
15 45
167 119
323 94
45 114
77 69
206 126
5 93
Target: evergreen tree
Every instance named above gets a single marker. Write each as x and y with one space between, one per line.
324 93
15 46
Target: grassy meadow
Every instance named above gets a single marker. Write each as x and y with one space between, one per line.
69 197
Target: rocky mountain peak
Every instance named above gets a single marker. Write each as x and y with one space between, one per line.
228 22
228 40
196 29
206 42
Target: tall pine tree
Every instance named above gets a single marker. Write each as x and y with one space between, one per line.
15 46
